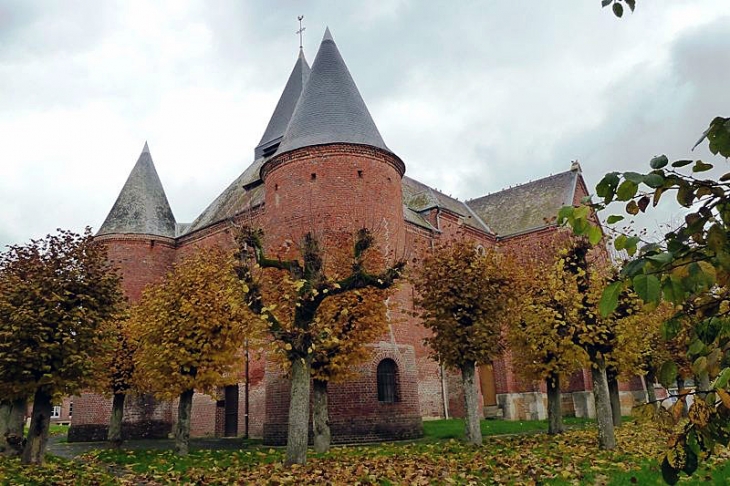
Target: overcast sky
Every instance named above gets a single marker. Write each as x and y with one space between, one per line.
473 96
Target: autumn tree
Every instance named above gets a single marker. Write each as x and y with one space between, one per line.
542 330
690 268
190 329
115 372
292 298
622 342
464 299
348 322
55 294
596 334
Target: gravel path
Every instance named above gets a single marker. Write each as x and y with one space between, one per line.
69 450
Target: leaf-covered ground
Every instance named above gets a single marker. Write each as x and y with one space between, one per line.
516 459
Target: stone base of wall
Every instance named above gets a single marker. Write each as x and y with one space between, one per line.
584 404
523 406
631 399
581 404
146 429
355 431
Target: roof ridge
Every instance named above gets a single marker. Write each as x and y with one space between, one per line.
520 185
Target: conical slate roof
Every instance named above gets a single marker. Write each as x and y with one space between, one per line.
285 107
142 206
330 109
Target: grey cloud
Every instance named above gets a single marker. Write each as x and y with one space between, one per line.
474 96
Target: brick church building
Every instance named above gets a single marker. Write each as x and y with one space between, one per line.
322 165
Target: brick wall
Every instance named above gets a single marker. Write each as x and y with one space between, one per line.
140 259
333 191
144 417
355 413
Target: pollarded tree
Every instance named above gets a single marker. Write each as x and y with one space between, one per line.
592 333
542 330
289 297
464 298
55 295
347 322
115 372
651 350
14 393
190 329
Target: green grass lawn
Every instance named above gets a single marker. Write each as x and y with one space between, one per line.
454 428
53 430
56 430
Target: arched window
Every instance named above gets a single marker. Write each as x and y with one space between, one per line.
387 383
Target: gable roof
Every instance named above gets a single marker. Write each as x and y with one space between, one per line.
142 206
528 206
330 108
419 197
284 108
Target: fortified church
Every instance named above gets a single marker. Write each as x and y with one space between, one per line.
322 165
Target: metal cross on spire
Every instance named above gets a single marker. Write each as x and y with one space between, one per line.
301 30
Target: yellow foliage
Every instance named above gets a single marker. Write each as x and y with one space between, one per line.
544 324
191 326
464 298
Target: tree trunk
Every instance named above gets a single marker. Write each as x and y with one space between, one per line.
604 417
649 380
320 417
615 397
680 391
12 413
115 422
35 448
703 385
471 404
555 406
182 429
296 441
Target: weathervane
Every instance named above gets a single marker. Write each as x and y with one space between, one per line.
301 30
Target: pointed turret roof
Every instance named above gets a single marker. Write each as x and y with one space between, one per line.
330 109
142 206
285 107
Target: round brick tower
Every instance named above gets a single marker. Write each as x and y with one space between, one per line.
139 235
332 175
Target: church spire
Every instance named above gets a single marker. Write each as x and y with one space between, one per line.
330 109
284 108
142 206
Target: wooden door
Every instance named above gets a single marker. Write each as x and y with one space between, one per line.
231 411
486 380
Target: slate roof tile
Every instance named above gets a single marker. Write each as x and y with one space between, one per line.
528 206
330 108
142 206
285 107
